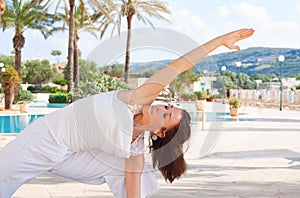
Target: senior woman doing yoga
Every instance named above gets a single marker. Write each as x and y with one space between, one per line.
100 138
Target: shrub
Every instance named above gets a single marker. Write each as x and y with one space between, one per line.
188 95
46 89
24 96
235 102
201 95
11 82
59 98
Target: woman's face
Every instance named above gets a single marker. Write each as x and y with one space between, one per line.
161 118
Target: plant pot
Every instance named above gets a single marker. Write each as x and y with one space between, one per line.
234 111
200 105
23 107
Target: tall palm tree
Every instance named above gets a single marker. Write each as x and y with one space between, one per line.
138 8
99 4
83 21
22 15
2 8
70 64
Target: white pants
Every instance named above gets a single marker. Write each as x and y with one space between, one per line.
35 152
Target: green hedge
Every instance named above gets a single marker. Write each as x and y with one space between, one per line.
59 98
46 89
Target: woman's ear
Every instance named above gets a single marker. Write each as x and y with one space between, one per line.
160 133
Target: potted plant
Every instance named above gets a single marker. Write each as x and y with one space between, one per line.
235 103
23 98
201 99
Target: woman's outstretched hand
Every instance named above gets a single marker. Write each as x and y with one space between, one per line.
229 39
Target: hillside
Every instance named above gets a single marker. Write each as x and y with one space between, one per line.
259 60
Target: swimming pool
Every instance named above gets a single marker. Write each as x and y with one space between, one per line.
16 123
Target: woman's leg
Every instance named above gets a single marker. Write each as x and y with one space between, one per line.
18 165
31 154
84 167
87 168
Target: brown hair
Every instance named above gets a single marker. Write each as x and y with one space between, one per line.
167 152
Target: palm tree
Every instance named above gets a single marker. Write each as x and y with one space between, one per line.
71 3
22 15
130 8
2 8
83 21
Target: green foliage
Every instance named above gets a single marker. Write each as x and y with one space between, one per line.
24 96
188 95
110 83
263 77
22 15
10 82
246 82
201 95
56 54
148 73
10 78
45 89
114 69
87 89
60 80
8 61
59 98
186 79
235 102
88 71
38 72
103 84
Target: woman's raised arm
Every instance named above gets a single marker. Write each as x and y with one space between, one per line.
147 92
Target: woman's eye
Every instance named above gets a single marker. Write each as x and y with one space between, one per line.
166 107
165 115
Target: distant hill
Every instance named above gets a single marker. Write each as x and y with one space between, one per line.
256 60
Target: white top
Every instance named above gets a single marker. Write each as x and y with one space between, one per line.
99 122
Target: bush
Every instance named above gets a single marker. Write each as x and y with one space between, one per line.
60 81
235 102
59 98
24 96
201 95
188 95
46 89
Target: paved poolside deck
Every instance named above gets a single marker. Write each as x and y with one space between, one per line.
254 155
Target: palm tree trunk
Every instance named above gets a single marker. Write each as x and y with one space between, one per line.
76 63
127 57
18 42
8 97
70 65
2 8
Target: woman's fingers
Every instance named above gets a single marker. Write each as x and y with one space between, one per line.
245 33
236 36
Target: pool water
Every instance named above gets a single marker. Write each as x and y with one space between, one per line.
16 123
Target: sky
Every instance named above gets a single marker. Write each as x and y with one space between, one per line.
277 24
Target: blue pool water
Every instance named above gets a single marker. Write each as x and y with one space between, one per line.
16 123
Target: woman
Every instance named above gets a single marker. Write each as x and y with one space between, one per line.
100 138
